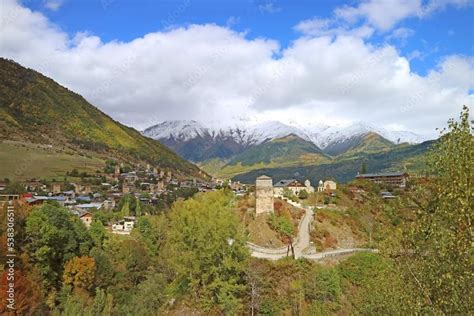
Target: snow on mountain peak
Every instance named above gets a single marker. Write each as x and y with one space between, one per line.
251 131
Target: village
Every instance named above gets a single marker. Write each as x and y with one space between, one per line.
152 188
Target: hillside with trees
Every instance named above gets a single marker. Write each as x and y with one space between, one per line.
35 109
193 258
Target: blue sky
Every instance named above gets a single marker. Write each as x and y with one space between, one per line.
398 64
449 31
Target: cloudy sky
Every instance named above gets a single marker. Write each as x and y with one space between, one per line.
400 64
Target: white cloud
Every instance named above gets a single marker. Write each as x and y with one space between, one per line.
268 7
382 15
331 27
53 5
401 33
211 72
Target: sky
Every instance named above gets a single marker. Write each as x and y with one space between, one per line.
399 64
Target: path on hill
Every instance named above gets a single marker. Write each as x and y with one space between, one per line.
302 245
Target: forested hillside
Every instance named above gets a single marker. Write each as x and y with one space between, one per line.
344 169
35 109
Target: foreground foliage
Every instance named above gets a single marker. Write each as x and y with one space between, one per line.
435 253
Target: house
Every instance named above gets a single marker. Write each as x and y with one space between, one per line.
84 198
3 185
327 186
237 186
293 185
395 179
40 199
69 193
86 218
106 186
89 206
130 176
108 204
125 226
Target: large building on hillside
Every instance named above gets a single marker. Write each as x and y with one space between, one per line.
264 195
293 185
396 179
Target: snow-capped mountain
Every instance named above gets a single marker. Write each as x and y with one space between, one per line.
337 134
200 141
242 131
255 132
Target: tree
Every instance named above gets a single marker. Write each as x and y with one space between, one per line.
303 195
130 260
102 304
79 272
14 188
28 299
55 236
150 295
98 232
125 210
138 209
151 231
363 168
210 250
435 252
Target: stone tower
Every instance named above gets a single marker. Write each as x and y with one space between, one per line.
117 170
264 195
56 188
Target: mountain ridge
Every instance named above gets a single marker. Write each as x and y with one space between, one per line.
36 109
224 139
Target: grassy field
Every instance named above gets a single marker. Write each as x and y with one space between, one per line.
22 161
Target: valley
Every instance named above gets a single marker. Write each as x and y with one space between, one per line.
243 158
246 150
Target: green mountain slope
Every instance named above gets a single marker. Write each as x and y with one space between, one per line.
406 158
35 109
288 151
367 143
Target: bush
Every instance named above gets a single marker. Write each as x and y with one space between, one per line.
303 195
323 284
281 224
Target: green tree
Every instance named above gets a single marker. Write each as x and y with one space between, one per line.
435 253
151 231
98 232
55 236
125 210
210 250
14 188
102 304
138 209
150 295
303 195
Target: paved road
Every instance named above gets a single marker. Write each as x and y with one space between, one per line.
302 245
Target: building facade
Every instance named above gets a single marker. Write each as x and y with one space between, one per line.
395 179
293 185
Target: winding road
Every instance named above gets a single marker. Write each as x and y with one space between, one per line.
302 245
